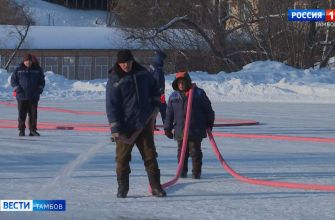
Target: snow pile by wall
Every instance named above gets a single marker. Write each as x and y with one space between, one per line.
262 81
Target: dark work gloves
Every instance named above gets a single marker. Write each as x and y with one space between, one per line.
210 126
168 134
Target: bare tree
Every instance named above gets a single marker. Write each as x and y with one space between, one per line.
188 22
234 32
299 44
22 32
329 45
230 29
11 13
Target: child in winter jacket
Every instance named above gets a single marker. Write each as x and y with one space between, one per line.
202 117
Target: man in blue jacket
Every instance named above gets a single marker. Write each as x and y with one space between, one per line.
202 117
132 103
28 82
158 73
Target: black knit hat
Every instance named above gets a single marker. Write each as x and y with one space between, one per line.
124 56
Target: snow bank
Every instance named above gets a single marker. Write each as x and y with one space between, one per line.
5 88
268 81
262 81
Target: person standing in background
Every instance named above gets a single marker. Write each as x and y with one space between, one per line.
28 82
158 73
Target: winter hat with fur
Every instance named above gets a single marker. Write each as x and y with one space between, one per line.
124 56
27 56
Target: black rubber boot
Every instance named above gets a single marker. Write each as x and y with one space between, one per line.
123 182
22 133
185 169
183 174
185 165
196 175
34 133
196 165
154 180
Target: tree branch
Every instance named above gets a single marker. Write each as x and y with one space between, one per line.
22 39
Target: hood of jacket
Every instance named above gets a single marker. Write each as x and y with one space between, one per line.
182 75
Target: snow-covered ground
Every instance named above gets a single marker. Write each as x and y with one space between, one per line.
79 166
34 168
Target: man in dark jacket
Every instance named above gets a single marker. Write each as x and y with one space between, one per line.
158 73
202 117
28 82
132 103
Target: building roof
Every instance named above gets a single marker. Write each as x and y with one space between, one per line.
66 37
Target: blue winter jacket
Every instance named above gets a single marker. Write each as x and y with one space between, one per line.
157 70
130 98
28 83
202 116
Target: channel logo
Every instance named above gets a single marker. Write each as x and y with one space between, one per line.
306 15
311 15
32 205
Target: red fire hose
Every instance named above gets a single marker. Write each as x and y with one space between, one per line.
184 144
264 182
228 168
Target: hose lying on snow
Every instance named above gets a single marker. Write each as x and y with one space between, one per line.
264 182
228 168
